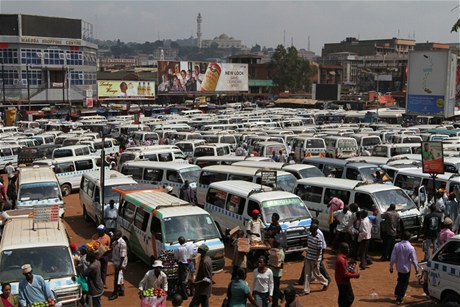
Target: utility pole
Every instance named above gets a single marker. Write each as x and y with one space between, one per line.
3 84
28 85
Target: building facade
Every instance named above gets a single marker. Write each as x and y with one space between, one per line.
46 60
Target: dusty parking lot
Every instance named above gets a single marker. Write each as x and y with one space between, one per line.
374 288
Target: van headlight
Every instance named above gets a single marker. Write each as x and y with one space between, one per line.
219 254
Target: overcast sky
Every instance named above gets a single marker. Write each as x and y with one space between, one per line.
261 22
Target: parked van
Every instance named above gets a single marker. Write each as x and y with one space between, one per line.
375 198
227 160
188 146
220 149
210 174
440 274
410 179
141 137
366 142
45 246
8 153
298 170
308 147
163 173
111 146
153 221
231 203
39 186
391 150
71 151
266 149
69 170
91 192
162 153
341 147
44 139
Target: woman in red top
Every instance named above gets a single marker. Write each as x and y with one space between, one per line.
6 298
343 275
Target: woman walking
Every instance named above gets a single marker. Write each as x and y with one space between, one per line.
263 283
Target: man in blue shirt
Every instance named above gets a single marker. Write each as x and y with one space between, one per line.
33 288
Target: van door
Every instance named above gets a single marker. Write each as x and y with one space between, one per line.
366 202
215 204
311 196
125 218
140 241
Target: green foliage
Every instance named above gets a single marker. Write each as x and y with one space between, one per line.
288 71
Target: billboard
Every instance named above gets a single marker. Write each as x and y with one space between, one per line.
190 77
432 158
431 83
125 89
325 91
50 27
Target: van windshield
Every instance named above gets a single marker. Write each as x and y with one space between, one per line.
398 197
286 182
310 172
191 174
191 227
49 262
39 191
289 209
314 143
345 143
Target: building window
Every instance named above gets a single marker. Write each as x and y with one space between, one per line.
9 56
54 57
90 78
76 78
31 56
10 76
35 77
74 58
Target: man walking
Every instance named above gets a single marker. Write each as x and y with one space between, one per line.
181 255
403 256
364 237
343 276
119 260
390 230
93 276
313 259
203 281
430 230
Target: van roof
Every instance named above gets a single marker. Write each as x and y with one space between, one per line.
261 164
237 170
36 174
163 165
18 233
339 162
111 177
345 184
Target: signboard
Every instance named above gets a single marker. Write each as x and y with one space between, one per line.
89 102
46 213
430 82
126 89
432 158
325 91
190 77
268 178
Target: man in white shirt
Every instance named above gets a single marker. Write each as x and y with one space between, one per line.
255 226
154 278
110 216
181 255
364 237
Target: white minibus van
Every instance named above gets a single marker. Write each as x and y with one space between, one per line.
9 153
163 173
375 198
341 147
71 151
231 203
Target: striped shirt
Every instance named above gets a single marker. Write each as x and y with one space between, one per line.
314 248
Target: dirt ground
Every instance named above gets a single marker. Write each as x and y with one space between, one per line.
374 288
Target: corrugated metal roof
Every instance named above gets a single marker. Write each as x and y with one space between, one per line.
295 101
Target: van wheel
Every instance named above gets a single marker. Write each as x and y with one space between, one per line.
85 215
66 189
452 298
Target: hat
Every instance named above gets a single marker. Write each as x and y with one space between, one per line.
447 221
101 227
83 247
157 264
255 211
73 246
26 268
203 247
169 189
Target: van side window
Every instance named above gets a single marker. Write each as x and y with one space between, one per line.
216 197
165 157
353 174
407 182
63 153
15 151
334 171
5 152
128 212
155 228
90 189
343 195
364 201
135 172
220 151
241 177
173 176
235 204
449 254
83 165
84 184
64 167
428 183
251 206
97 194
310 193
153 174
141 219
209 177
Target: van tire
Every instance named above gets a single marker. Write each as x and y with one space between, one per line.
451 297
66 189
85 215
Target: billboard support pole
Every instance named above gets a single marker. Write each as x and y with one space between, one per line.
433 177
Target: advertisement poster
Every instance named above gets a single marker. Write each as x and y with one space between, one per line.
432 158
430 82
125 89
190 77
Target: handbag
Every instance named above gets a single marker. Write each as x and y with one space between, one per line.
83 283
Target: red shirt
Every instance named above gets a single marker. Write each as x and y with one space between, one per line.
342 275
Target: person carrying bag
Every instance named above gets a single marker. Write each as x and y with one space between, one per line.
238 292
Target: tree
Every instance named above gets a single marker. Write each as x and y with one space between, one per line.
256 48
288 71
